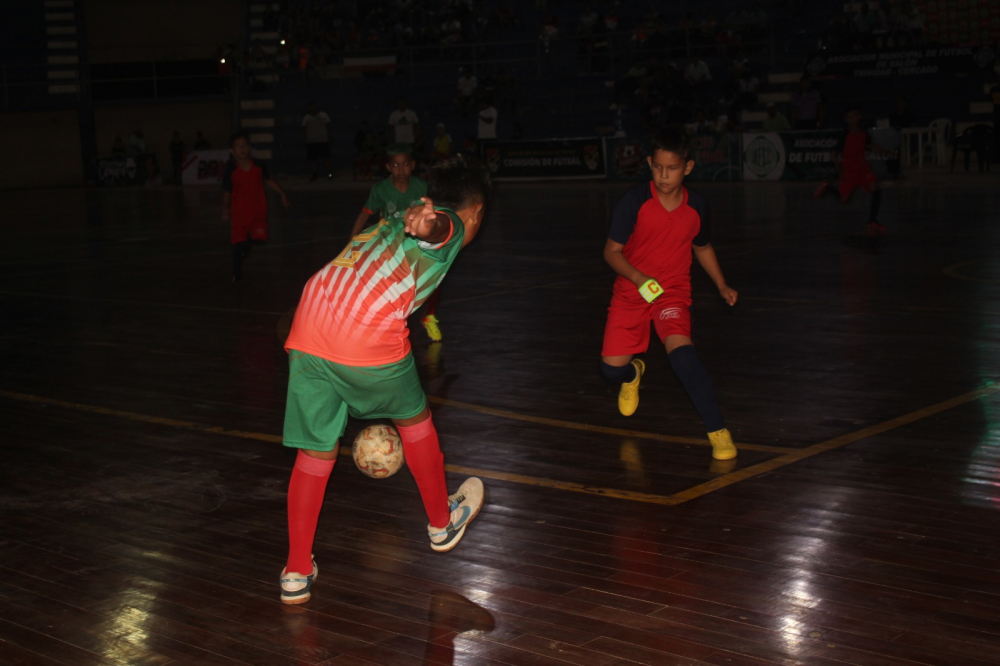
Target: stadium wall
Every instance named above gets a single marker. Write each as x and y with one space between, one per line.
42 149
158 122
130 31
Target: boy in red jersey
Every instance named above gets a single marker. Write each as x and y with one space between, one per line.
244 201
654 228
349 354
854 169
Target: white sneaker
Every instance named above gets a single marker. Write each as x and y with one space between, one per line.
464 506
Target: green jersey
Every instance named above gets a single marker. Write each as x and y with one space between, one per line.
389 203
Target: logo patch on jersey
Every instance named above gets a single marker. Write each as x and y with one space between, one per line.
670 313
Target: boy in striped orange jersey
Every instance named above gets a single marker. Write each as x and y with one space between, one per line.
349 354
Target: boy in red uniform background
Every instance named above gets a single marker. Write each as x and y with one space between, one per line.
654 229
854 169
244 201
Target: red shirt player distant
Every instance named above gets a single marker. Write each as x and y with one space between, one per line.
248 210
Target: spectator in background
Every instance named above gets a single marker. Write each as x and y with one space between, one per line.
136 143
442 144
837 36
707 30
487 121
200 142
177 156
466 99
701 125
317 139
776 121
548 31
865 22
403 122
118 148
698 77
808 108
914 22
747 88
899 120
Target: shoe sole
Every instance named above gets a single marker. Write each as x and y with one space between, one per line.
461 532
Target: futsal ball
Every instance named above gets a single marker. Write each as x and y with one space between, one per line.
378 451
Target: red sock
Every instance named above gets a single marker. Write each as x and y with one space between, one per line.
305 499
426 463
431 305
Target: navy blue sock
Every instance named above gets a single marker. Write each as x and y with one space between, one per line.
617 374
695 379
876 204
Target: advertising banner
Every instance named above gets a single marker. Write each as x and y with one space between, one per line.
790 155
716 158
131 170
902 62
204 167
552 159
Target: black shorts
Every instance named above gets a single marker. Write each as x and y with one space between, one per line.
315 151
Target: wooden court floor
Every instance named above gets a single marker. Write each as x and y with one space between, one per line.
142 483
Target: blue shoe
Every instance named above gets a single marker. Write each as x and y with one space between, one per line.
295 587
464 506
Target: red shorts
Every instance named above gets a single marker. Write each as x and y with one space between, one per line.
627 330
851 179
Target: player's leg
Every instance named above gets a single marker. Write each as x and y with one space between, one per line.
871 185
315 417
626 333
673 325
240 252
430 320
394 392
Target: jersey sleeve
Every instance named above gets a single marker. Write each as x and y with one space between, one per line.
700 206
626 213
373 205
227 176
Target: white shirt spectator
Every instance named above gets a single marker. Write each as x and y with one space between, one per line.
749 84
697 72
315 126
487 123
403 123
467 86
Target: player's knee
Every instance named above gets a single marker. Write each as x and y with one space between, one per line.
617 374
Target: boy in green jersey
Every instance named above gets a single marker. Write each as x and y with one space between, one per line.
389 199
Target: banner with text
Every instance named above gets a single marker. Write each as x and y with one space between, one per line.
902 62
204 167
790 155
553 159
130 170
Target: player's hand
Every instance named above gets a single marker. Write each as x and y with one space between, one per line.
420 221
650 290
729 295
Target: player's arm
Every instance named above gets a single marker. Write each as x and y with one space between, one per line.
705 255
427 224
619 264
361 222
273 184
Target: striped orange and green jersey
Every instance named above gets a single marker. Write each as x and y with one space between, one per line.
354 310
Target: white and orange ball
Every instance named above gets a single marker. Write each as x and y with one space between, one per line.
378 451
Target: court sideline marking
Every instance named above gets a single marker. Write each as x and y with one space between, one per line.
789 455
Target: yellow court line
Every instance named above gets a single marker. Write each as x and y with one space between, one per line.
789 457
587 427
828 445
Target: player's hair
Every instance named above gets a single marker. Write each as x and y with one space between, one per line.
238 135
399 149
672 140
458 182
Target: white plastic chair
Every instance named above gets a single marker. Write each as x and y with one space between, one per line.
942 135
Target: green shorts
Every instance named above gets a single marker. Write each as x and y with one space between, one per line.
322 393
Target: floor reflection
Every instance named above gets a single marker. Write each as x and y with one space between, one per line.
451 615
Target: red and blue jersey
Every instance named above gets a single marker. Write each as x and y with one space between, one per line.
656 241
